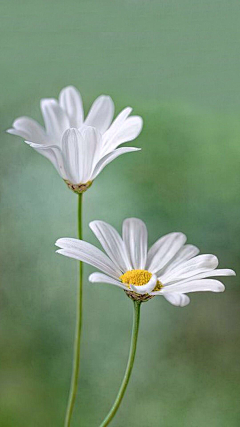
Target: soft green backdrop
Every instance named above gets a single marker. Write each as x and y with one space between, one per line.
178 65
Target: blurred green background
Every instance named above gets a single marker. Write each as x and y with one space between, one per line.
178 65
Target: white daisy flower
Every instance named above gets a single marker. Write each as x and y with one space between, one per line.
170 267
79 152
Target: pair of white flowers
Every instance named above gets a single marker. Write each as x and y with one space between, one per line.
79 149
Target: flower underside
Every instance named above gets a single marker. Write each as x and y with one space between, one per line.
78 188
139 278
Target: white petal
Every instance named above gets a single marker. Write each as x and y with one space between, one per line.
112 243
196 265
55 119
52 153
79 152
71 102
179 300
101 113
103 278
163 250
110 157
135 237
28 129
88 253
116 124
184 254
211 273
93 139
200 285
71 142
129 130
145 289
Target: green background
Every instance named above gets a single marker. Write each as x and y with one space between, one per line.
178 65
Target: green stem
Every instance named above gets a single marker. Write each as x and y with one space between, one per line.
76 358
129 367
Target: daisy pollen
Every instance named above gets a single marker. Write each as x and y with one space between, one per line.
139 278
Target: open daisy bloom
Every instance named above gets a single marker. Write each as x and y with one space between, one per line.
170 268
79 148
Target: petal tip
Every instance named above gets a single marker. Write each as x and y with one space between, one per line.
221 288
93 223
60 242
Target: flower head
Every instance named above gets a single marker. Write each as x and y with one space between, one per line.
170 267
79 148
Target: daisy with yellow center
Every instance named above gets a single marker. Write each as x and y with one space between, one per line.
170 268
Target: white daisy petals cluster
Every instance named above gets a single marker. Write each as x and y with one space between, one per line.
79 148
170 268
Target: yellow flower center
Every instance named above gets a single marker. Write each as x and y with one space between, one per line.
138 278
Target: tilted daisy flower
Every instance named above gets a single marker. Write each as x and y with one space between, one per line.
77 151
170 268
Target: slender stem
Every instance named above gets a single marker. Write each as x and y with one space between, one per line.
132 352
76 358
